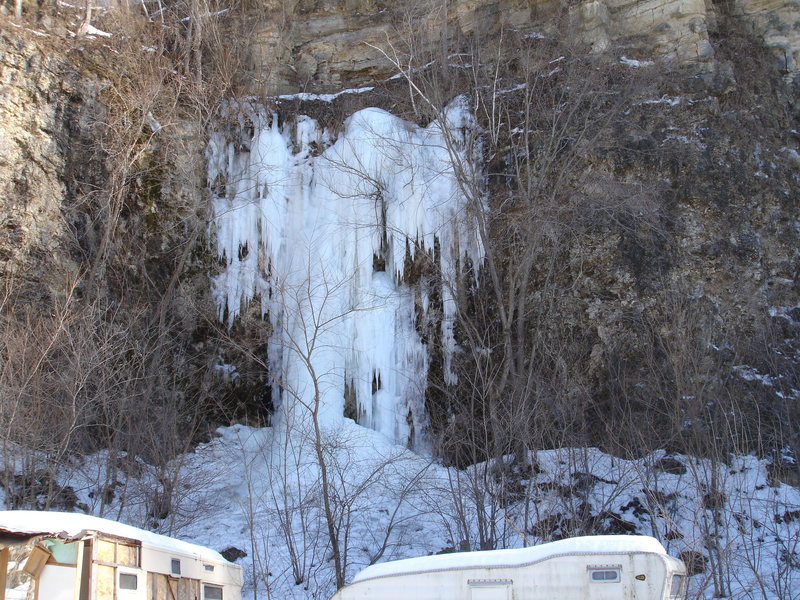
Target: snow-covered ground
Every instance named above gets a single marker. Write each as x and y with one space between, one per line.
244 490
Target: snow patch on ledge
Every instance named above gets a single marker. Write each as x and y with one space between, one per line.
306 97
632 62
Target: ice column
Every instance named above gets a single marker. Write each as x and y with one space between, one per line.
298 220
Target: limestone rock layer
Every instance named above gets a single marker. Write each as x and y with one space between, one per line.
329 45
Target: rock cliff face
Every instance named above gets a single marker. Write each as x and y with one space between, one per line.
327 45
778 24
85 169
47 110
710 141
50 105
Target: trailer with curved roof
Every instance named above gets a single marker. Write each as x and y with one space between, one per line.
70 556
614 567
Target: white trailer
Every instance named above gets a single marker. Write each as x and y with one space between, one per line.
69 556
612 567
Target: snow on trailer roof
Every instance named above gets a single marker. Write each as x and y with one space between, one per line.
595 544
75 526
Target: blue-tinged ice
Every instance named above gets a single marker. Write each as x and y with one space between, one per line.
299 219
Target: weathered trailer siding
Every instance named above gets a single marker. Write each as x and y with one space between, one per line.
57 583
558 577
66 556
557 571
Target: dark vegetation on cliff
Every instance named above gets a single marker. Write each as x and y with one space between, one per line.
107 328
640 269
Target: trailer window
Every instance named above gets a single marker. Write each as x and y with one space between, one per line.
676 589
605 575
176 566
128 581
212 592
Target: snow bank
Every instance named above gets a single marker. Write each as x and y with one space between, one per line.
631 62
400 505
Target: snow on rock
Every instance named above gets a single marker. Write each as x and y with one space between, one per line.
90 30
632 62
305 97
320 230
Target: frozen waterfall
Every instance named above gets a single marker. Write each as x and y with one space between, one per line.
319 229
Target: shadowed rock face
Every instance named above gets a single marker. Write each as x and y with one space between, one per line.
778 24
328 45
45 109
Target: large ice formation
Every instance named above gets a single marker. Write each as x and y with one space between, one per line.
320 230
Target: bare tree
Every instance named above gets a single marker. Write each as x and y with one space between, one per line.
521 373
